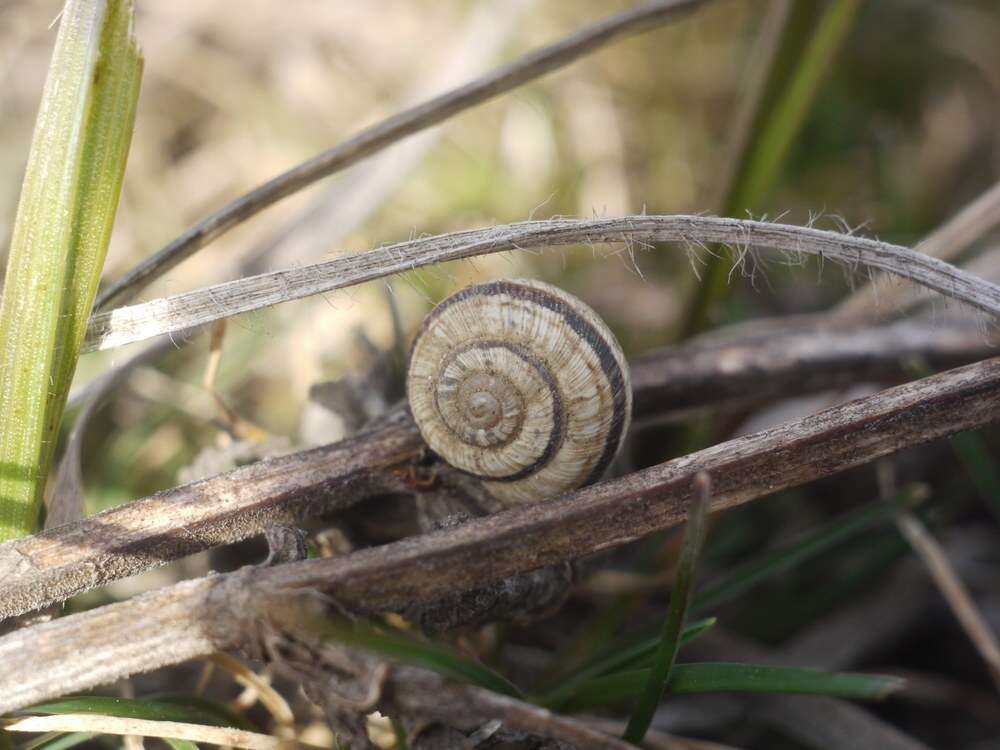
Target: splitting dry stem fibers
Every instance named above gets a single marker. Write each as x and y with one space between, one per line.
189 310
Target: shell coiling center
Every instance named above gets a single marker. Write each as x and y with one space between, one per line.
522 385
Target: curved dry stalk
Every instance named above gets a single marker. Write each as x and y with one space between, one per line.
199 617
706 373
383 134
900 300
946 242
180 312
418 692
347 203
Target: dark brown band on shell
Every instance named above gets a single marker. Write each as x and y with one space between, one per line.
582 327
558 412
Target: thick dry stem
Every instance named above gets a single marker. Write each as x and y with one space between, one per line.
67 560
623 510
782 358
714 373
167 626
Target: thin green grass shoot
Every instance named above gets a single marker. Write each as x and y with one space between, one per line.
789 96
673 626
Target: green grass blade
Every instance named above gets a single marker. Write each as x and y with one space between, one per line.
785 121
621 657
789 97
180 744
134 708
635 651
222 714
109 127
814 543
399 731
979 465
758 678
432 656
712 677
640 654
680 599
68 201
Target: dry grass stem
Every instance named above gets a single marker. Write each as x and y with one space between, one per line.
946 242
172 315
952 589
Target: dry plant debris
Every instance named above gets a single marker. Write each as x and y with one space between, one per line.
365 498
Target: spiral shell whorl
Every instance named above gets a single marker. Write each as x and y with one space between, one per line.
522 385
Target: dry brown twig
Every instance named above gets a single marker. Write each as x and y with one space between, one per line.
667 385
326 668
202 616
783 357
180 312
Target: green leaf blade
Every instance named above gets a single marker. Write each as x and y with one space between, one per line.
135 708
718 677
432 656
68 201
795 79
808 546
758 678
680 600
621 658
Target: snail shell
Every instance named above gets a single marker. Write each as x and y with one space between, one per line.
521 385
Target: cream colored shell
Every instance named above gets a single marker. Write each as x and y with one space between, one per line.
522 385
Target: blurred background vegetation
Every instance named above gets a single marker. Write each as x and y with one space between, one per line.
901 134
